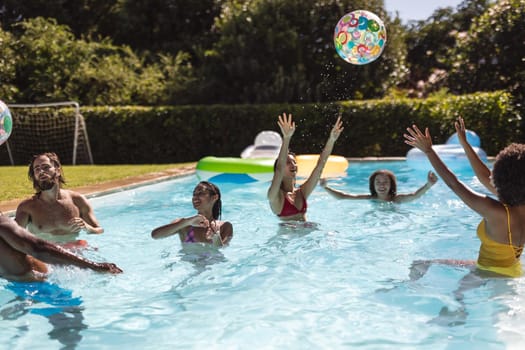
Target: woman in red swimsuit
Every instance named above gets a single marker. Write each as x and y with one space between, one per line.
287 201
203 227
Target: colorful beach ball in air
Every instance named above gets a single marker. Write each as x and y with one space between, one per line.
360 37
6 122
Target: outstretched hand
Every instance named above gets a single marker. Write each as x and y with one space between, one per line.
286 125
110 267
337 129
461 131
432 178
417 139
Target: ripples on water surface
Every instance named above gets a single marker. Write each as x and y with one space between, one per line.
341 282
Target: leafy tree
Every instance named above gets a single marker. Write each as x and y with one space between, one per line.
165 26
194 51
283 51
429 43
58 67
244 51
113 75
51 56
81 16
161 26
490 55
181 82
8 86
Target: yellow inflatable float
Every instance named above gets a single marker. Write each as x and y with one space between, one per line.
335 165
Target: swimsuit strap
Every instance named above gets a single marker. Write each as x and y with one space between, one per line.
517 250
508 224
190 236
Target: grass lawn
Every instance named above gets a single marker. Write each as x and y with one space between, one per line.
15 184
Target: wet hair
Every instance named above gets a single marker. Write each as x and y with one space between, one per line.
508 174
275 163
393 182
53 157
213 190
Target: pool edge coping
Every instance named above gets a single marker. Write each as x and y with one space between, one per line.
97 190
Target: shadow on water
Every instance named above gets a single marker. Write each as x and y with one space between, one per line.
63 311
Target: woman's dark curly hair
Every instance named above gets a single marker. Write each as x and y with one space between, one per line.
508 174
391 177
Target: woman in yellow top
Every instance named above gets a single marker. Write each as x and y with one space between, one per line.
502 230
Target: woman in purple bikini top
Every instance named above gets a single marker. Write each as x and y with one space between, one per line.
205 226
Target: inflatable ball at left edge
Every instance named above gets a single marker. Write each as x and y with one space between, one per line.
6 123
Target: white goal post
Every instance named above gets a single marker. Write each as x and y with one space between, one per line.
48 127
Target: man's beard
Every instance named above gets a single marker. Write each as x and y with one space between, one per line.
45 185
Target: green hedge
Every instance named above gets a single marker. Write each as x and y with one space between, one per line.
375 128
146 135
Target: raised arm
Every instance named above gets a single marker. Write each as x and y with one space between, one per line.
22 240
342 195
274 195
431 180
480 169
479 203
308 186
177 225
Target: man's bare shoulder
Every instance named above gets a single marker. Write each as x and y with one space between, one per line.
77 198
28 202
73 194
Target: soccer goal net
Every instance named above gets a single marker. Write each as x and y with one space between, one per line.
48 127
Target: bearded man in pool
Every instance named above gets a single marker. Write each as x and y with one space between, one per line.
54 210
23 256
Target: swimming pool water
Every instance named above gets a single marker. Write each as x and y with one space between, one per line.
343 283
